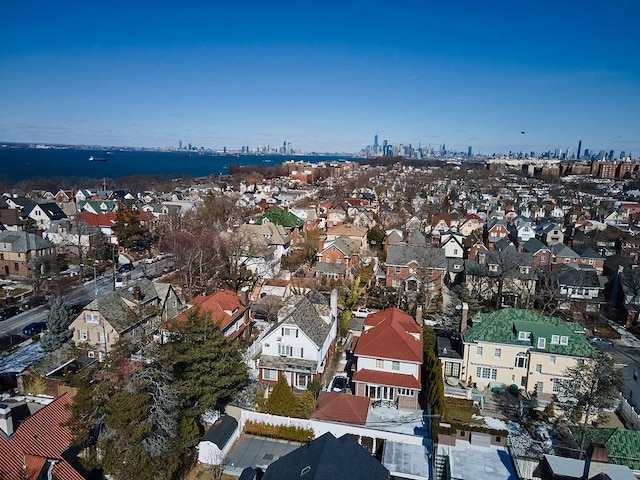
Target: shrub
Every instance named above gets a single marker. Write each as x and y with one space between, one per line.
283 432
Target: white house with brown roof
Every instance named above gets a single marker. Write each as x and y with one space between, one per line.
388 357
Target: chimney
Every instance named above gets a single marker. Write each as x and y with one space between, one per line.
244 296
137 294
321 240
464 318
6 421
595 461
419 315
334 304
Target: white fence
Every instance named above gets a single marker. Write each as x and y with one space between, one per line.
628 414
337 429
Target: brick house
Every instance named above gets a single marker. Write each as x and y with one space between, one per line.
18 249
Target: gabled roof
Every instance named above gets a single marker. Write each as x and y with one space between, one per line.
341 407
561 250
223 305
40 437
307 312
394 379
22 242
392 334
349 230
327 457
429 257
533 246
282 217
503 326
348 246
568 275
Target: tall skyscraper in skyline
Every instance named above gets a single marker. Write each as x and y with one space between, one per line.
579 149
375 143
469 151
180 145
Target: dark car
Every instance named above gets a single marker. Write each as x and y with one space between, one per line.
601 342
33 302
8 312
127 267
340 384
34 328
76 308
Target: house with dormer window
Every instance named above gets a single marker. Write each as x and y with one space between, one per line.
136 312
301 342
523 348
227 309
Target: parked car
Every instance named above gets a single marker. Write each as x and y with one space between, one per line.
361 312
601 342
33 302
119 282
340 384
127 267
34 328
8 312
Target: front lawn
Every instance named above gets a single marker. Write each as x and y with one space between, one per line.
462 414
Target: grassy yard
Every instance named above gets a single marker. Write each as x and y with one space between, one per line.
462 414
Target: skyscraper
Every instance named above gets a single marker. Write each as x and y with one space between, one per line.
469 151
375 143
180 145
579 149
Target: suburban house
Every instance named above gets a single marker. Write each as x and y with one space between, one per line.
354 233
226 308
579 290
261 247
541 254
38 446
452 244
106 222
413 267
520 347
496 230
388 359
337 257
301 343
77 238
19 251
136 312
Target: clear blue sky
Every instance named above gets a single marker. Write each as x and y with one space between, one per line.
323 75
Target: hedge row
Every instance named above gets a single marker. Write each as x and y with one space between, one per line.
283 432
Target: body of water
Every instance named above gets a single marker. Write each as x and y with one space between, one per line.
17 164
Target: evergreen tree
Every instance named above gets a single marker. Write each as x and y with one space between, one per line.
207 367
306 404
58 322
282 400
433 383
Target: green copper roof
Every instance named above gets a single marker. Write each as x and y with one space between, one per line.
504 326
623 446
281 217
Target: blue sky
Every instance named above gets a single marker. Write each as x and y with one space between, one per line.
325 76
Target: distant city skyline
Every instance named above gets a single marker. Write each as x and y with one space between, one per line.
322 77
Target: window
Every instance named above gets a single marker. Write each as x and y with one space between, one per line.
395 365
379 363
101 337
564 340
493 267
92 318
269 374
497 352
538 368
451 369
542 343
398 269
16 266
524 335
556 385
479 351
522 360
555 339
91 354
405 392
487 373
552 360
455 251
84 335
101 356
302 379
285 350
289 332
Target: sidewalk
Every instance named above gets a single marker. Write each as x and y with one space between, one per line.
627 339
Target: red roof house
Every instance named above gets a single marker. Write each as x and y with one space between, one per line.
388 358
226 309
341 407
38 443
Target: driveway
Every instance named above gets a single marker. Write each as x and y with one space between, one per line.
251 451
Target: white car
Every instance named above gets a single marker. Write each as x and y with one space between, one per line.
361 312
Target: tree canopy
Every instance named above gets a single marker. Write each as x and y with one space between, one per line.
58 322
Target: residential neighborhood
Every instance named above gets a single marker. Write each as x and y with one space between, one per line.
399 320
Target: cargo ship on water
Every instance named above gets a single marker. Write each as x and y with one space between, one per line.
97 159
